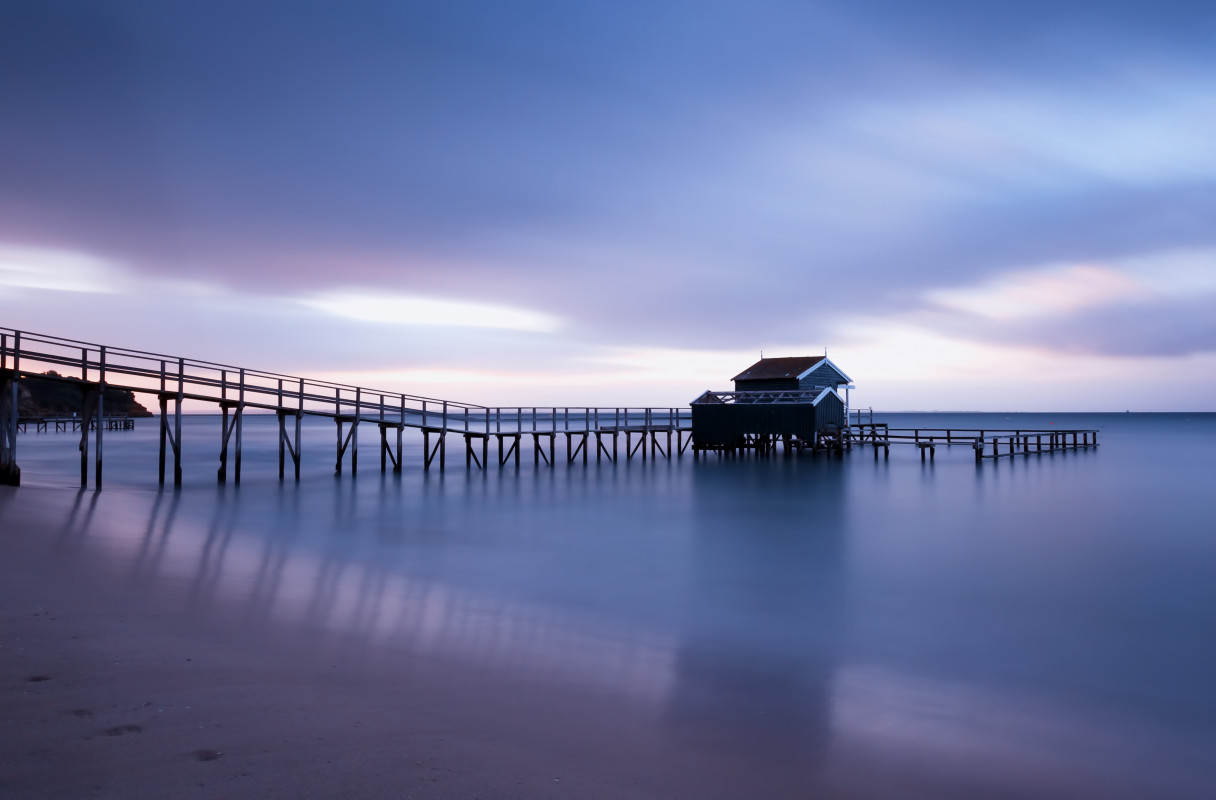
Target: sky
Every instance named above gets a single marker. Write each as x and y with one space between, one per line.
972 206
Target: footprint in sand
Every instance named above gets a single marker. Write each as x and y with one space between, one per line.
119 730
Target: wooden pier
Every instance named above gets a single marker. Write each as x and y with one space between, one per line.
113 422
235 391
761 422
992 443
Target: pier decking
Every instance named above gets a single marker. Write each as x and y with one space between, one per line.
234 390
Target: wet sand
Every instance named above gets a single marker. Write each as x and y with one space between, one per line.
105 695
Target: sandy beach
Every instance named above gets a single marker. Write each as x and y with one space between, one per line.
107 695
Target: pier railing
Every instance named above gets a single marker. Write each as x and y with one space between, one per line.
986 442
753 397
236 390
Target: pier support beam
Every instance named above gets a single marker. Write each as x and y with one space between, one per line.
440 448
286 446
227 430
655 447
538 448
470 454
350 441
601 449
886 449
572 449
101 417
631 449
503 457
387 453
170 436
10 473
89 411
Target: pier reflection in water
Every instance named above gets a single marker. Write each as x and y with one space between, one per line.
767 556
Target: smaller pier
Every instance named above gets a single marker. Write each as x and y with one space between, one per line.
990 443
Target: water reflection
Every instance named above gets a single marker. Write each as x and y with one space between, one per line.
273 568
769 545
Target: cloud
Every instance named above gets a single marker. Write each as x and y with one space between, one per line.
399 309
59 271
1155 129
1152 304
1045 292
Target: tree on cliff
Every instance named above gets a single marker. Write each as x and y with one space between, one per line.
61 396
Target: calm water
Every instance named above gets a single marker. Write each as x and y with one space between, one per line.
1044 623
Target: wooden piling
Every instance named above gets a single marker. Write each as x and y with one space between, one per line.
177 422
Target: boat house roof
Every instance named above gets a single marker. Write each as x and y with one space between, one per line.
773 368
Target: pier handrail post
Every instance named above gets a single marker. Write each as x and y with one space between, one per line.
445 416
84 364
400 432
101 397
177 422
424 413
14 403
354 434
164 423
299 421
282 427
240 416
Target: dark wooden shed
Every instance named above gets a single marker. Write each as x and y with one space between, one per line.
792 399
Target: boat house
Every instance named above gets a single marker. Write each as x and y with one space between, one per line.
795 400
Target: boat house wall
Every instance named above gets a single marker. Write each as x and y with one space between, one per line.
725 424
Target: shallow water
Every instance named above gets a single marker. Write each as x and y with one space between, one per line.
1040 623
